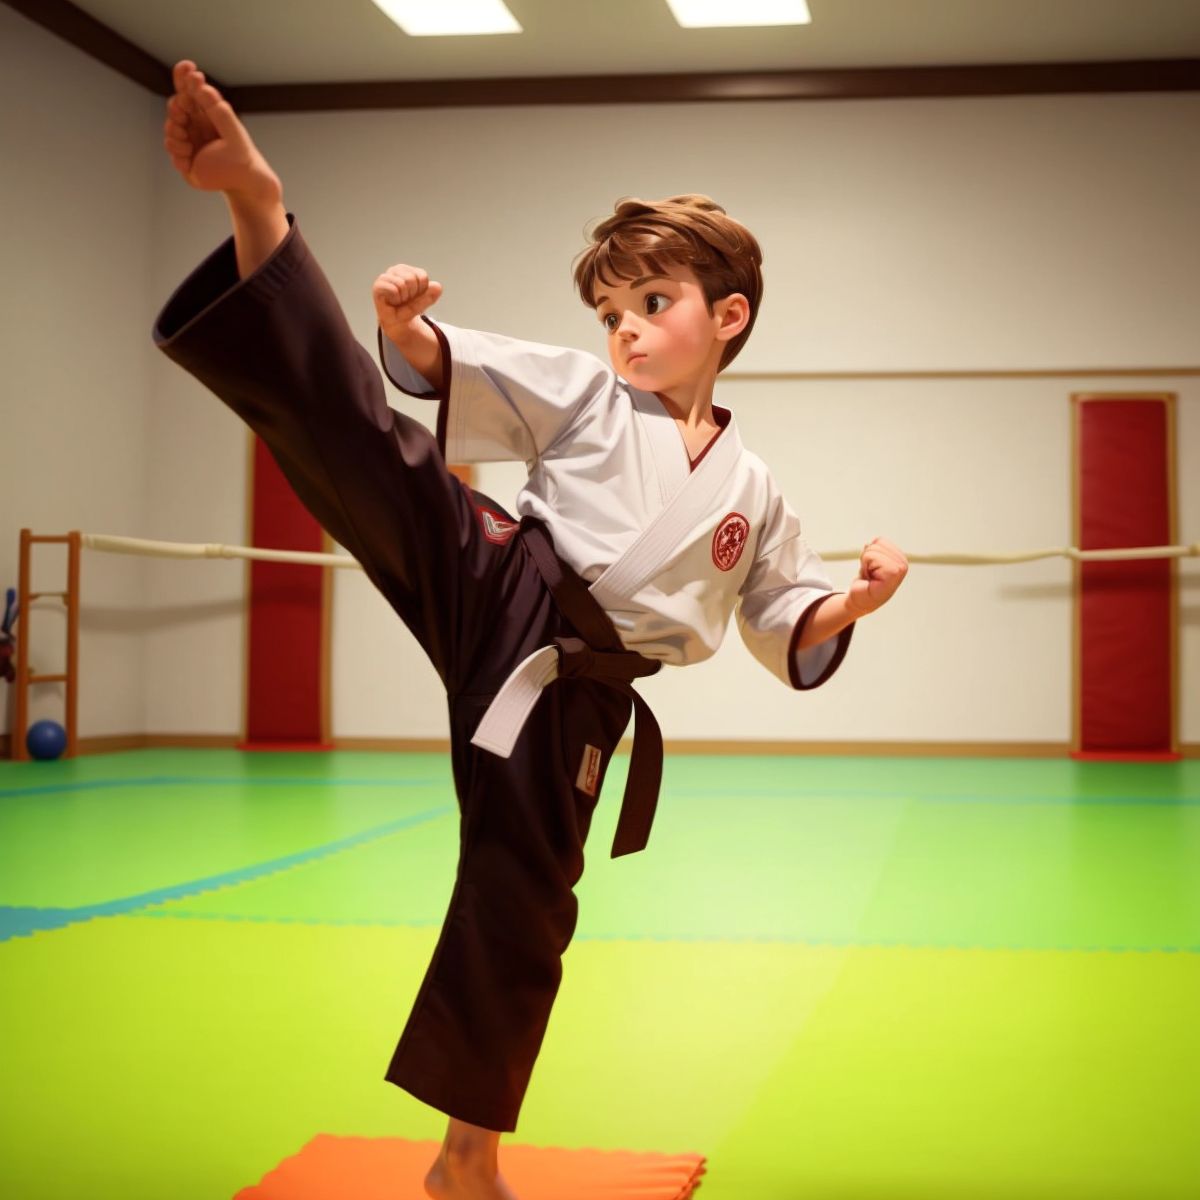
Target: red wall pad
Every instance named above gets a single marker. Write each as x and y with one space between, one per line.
286 617
1125 611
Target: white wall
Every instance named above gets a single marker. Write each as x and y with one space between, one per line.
196 485
1006 234
77 204
932 235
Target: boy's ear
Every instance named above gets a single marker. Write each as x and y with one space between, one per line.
734 314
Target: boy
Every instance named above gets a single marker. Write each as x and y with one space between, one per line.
643 526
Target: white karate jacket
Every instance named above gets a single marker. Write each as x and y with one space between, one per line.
670 552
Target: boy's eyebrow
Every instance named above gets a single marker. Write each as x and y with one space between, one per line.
636 283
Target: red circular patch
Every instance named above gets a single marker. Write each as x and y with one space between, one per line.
729 540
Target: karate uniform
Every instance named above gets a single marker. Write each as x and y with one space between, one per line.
669 548
624 558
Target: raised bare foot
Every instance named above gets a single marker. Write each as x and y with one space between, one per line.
209 146
456 1179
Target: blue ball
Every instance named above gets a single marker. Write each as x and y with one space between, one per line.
46 739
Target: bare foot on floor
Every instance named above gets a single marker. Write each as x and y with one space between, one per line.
448 1180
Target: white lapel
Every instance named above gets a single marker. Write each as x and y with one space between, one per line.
666 444
685 506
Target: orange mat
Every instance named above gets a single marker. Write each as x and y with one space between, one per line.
338 1168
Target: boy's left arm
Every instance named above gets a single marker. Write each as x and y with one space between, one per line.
882 568
790 615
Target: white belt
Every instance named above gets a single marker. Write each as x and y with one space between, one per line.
510 707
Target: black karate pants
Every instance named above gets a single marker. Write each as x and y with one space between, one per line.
276 348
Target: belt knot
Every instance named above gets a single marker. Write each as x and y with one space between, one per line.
577 660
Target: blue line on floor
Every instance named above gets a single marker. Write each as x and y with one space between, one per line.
19 921
669 792
88 785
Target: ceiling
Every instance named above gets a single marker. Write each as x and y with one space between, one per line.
245 42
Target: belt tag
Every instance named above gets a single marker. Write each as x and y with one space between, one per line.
589 771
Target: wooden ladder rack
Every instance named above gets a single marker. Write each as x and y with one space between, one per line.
24 676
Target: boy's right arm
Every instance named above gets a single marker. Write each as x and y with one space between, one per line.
401 294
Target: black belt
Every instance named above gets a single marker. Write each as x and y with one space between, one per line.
600 655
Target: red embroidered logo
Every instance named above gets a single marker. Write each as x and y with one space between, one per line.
496 528
589 771
729 541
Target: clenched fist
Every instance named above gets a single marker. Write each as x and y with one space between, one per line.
401 294
881 571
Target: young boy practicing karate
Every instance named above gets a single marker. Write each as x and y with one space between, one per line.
643 526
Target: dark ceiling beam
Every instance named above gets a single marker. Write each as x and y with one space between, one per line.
1010 79
96 39
93 37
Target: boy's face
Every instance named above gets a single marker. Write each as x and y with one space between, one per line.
661 334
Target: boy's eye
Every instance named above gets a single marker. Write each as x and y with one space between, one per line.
610 321
656 302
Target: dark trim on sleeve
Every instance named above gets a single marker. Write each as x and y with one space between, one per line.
444 394
383 364
794 645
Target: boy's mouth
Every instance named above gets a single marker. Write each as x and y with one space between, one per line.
632 358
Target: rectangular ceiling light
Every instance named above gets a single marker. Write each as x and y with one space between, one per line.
704 14
448 18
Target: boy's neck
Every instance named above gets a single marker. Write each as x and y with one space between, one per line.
691 405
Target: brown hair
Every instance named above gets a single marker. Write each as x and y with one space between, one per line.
691 230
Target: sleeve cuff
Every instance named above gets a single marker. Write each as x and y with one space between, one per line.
396 367
811 667
410 381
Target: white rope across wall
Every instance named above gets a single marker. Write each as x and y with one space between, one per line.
1071 552
111 544
127 545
